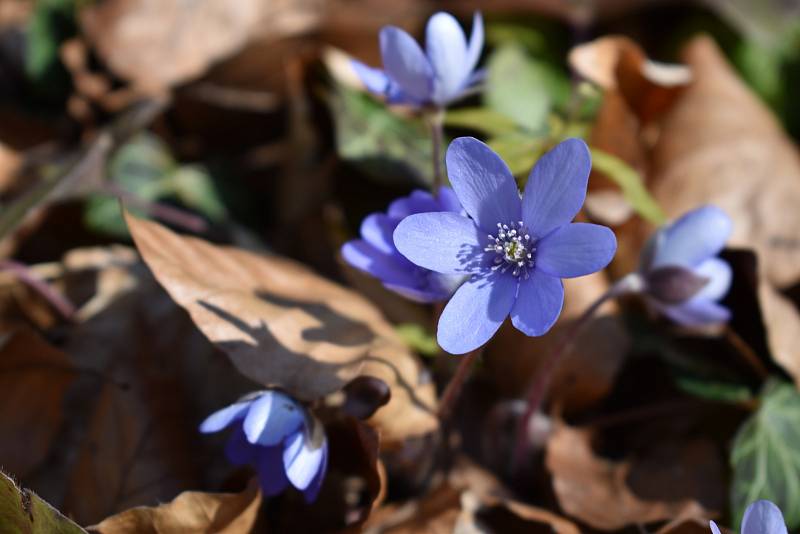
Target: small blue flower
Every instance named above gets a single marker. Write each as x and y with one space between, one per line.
275 435
441 74
515 250
692 242
761 517
376 254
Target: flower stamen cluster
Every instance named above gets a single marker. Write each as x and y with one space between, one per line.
514 248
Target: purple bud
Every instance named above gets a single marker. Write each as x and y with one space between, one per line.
364 395
673 284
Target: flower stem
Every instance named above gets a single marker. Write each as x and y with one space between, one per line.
176 216
435 119
453 390
540 383
747 352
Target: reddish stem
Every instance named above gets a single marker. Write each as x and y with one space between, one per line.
453 390
27 277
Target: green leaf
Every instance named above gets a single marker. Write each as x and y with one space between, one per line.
193 186
715 390
482 119
51 23
24 512
519 151
419 339
766 457
630 183
389 148
523 88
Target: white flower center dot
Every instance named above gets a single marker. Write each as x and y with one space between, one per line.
514 249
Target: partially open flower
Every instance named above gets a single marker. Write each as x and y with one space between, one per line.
278 437
761 517
444 72
682 276
375 253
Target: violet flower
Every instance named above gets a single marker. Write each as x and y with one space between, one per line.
278 437
682 276
441 74
761 517
376 254
515 250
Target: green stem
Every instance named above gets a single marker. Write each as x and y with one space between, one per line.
435 119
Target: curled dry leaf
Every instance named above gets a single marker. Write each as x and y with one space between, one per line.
588 374
594 490
284 326
156 44
191 511
719 144
34 377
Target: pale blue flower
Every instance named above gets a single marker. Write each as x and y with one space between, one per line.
444 72
761 517
278 438
692 242
515 250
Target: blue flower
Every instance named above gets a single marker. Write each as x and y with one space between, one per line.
441 74
692 243
761 517
275 435
376 254
515 250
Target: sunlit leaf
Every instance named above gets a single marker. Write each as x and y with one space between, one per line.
23 511
481 119
418 339
631 183
765 456
519 151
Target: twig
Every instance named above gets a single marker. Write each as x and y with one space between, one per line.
26 276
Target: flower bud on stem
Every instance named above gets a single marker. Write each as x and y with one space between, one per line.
536 391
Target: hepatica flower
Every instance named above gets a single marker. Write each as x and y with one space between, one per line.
761 517
437 76
514 250
278 438
683 277
376 254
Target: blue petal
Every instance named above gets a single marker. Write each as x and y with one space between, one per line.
475 42
556 187
418 201
312 491
239 451
447 53
538 305
697 312
375 80
696 236
483 183
719 274
271 475
448 201
303 460
444 242
377 230
394 268
224 417
763 517
575 249
406 64
271 418
476 311
714 528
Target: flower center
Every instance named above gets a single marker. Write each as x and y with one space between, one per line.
514 249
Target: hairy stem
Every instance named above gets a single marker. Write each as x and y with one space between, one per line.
453 390
540 383
435 119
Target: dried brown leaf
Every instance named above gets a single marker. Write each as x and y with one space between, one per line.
34 377
156 44
719 144
191 511
284 326
594 490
